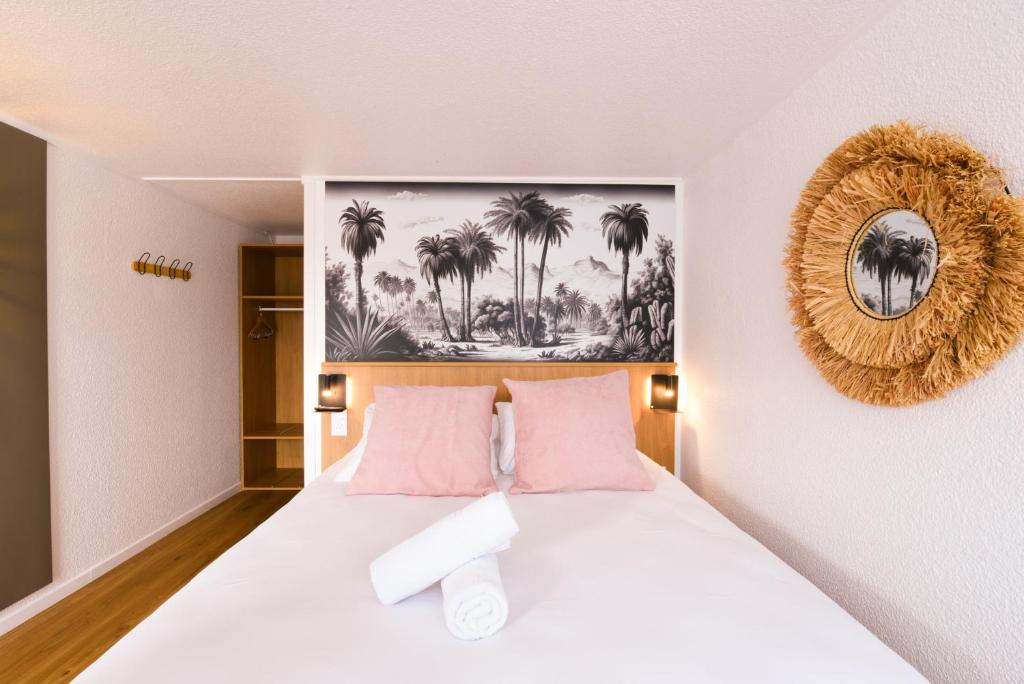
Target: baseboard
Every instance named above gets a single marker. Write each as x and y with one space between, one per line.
54 592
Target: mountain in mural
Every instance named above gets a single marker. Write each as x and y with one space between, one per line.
588 275
589 265
533 270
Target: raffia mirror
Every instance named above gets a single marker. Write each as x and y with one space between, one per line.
906 265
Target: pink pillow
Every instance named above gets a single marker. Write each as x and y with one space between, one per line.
428 441
575 434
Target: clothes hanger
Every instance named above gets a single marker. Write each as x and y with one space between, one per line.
261 330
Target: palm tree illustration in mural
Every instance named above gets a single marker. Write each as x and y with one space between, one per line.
557 307
390 285
394 288
438 259
914 260
362 229
550 230
409 288
477 255
575 306
625 227
381 281
877 257
432 297
553 309
514 216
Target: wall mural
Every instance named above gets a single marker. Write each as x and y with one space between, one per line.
499 272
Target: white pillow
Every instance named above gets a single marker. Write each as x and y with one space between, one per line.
368 418
507 428
495 444
352 459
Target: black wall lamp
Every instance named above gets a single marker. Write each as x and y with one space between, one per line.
665 392
330 393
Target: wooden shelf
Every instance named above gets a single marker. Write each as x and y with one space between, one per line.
278 478
275 431
271 276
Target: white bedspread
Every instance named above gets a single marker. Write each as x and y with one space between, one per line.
602 587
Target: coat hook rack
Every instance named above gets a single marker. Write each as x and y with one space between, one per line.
175 271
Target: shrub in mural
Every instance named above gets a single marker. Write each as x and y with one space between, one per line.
508 272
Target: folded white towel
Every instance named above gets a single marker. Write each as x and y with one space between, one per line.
475 605
484 526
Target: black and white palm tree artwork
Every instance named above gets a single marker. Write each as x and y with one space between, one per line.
500 272
894 265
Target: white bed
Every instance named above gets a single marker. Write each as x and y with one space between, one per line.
602 587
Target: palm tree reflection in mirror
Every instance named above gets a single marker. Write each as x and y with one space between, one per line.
914 261
887 254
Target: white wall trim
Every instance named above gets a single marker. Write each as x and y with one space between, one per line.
568 180
313 320
223 179
678 349
54 592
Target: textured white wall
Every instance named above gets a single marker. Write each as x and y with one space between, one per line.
910 518
143 372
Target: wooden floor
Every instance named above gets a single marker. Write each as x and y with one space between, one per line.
63 640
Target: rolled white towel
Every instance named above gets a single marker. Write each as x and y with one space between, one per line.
475 605
484 526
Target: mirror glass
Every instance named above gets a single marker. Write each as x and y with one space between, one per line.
892 264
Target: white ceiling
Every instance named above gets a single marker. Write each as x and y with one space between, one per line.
509 88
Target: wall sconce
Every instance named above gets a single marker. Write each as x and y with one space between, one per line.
330 393
665 392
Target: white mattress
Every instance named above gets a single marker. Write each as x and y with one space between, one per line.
602 586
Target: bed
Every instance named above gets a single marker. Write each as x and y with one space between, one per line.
603 587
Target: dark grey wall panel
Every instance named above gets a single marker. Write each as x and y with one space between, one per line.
24 420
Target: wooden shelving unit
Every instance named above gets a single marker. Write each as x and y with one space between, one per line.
271 368
275 431
278 478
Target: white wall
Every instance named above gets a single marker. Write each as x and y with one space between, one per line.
143 372
910 518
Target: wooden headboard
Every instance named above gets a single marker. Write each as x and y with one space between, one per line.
655 432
